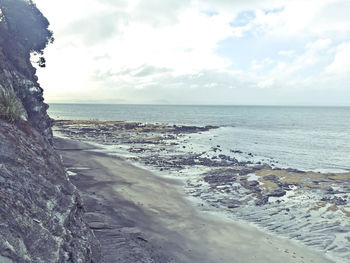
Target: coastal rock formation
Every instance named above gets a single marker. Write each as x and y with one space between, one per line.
23 32
41 213
311 207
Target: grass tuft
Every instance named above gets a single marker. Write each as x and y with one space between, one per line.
11 108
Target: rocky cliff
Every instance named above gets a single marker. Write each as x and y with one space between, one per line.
41 214
24 32
40 210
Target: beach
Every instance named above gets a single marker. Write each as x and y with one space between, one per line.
174 131
140 217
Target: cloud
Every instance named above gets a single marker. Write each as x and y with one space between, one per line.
286 53
305 70
94 28
159 13
300 18
240 5
341 63
319 44
263 64
146 71
153 50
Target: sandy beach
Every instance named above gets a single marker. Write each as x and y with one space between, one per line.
141 217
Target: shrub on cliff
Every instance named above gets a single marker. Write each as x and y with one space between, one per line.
11 108
23 30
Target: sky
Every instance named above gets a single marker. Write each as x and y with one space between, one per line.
230 52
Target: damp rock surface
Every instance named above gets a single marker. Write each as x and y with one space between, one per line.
41 212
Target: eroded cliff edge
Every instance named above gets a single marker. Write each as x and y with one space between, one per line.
41 213
24 31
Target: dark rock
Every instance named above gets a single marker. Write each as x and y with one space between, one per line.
245 171
277 193
291 170
262 166
228 158
271 177
219 177
130 126
41 212
335 200
215 149
252 183
38 203
262 200
20 77
330 190
233 204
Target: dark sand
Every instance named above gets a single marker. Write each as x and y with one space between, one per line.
140 217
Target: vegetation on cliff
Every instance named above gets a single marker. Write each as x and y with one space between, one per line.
41 213
23 30
11 108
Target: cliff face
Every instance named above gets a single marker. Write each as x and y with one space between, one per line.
23 31
40 210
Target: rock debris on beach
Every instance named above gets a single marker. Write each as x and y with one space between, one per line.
310 207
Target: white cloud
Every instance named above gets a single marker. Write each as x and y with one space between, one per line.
240 5
319 44
300 18
266 83
128 50
286 53
257 65
341 62
305 70
185 46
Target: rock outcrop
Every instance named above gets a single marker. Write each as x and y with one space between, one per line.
41 213
23 32
40 210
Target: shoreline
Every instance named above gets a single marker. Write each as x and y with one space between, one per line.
152 217
104 133
308 207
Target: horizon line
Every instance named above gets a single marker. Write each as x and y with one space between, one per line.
224 105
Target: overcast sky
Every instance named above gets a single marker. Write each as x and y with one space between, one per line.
265 52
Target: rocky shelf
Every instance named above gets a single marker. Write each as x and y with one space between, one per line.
310 207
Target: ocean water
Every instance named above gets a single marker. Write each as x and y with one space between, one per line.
306 138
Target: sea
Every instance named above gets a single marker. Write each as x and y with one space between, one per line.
305 138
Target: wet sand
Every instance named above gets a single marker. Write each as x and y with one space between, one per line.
140 217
